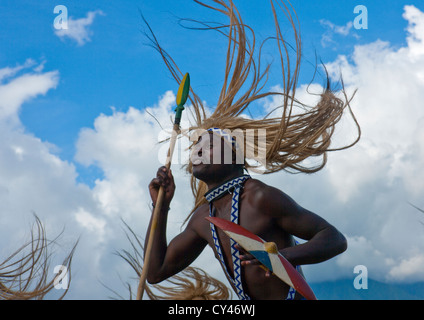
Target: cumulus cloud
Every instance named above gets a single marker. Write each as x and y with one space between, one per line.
384 171
365 190
78 30
415 38
33 179
126 146
388 105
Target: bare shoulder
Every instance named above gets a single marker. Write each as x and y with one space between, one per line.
256 185
197 219
201 211
264 196
260 192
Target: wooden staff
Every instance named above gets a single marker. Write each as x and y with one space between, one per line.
182 96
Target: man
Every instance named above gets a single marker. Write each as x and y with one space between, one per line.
263 210
294 132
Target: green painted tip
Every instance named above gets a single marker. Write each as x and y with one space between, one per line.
183 90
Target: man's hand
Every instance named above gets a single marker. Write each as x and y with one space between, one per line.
249 260
163 178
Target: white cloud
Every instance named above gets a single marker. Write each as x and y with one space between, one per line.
332 29
375 179
342 30
79 29
125 145
20 89
409 269
415 39
388 106
91 223
10 72
364 191
35 180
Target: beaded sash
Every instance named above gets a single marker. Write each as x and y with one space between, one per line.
234 187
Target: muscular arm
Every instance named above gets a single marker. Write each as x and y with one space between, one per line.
169 259
324 240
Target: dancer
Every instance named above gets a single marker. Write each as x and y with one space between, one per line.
222 189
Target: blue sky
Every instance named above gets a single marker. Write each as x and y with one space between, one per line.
77 128
116 68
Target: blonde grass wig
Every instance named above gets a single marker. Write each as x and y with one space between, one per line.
190 284
299 131
25 274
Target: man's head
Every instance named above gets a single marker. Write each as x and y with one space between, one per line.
215 155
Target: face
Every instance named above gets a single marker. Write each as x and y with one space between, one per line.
211 157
